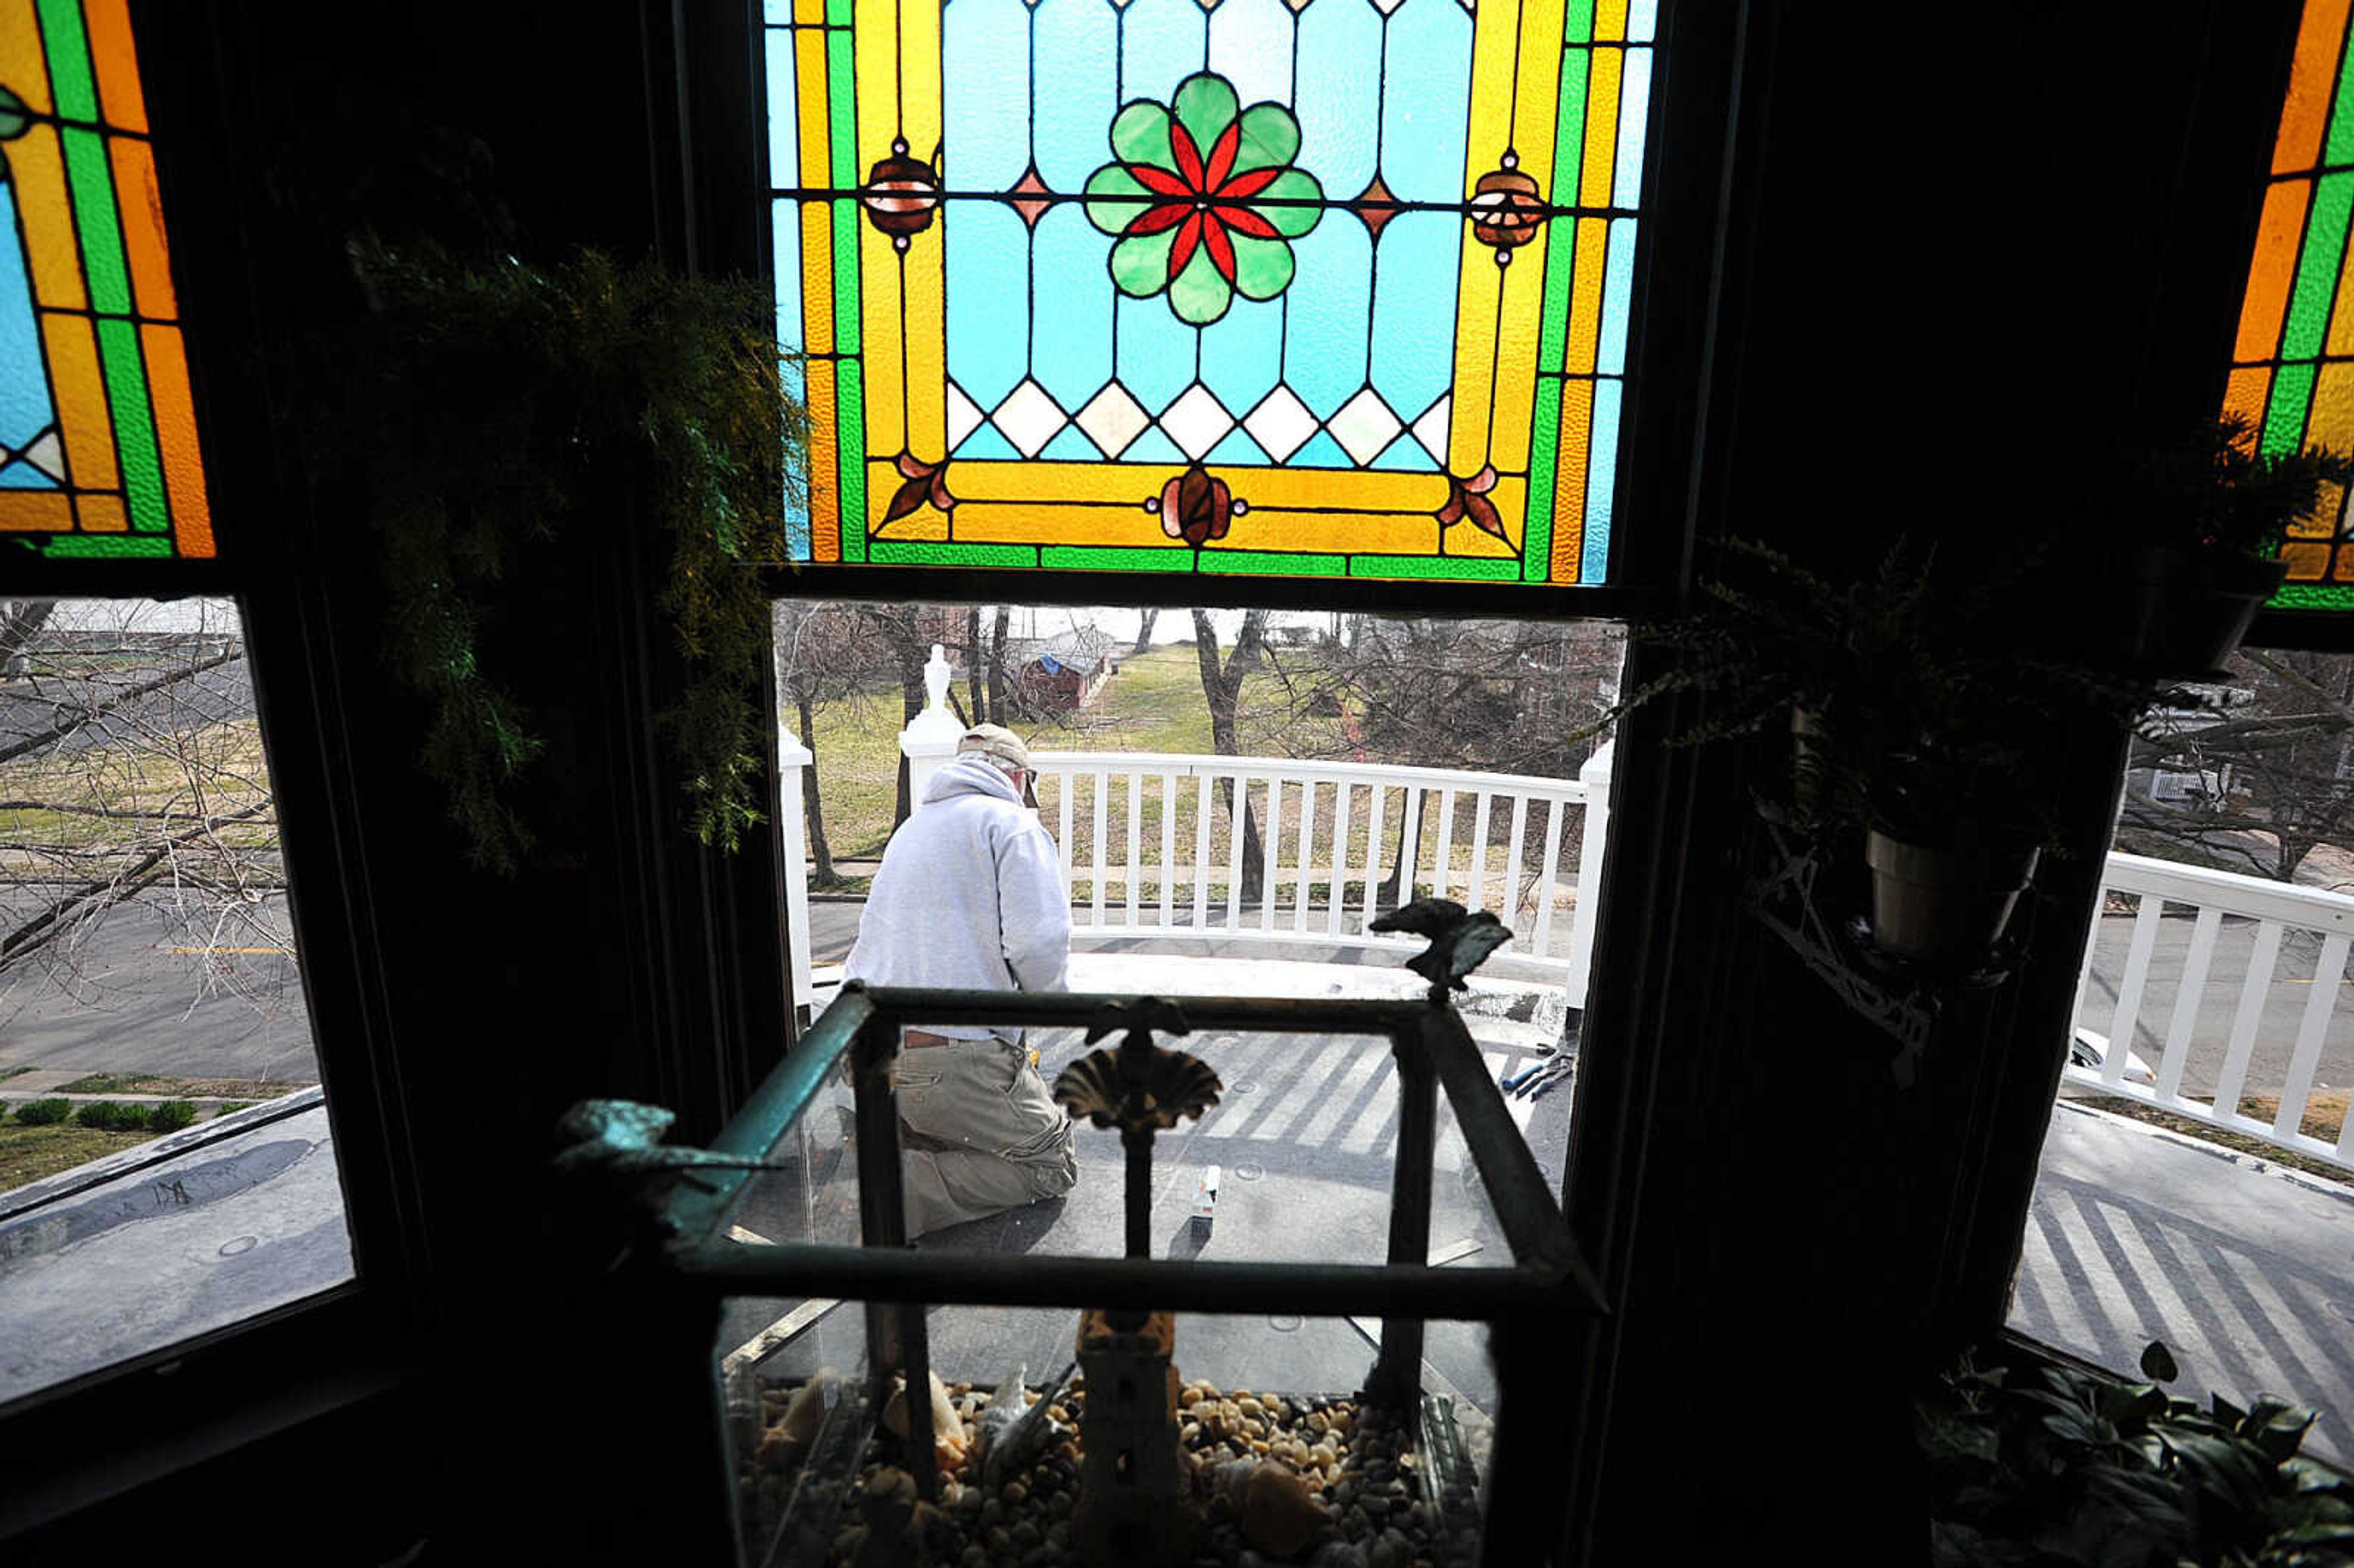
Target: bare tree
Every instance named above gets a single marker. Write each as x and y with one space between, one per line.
132 772
814 664
2254 786
1222 685
1144 634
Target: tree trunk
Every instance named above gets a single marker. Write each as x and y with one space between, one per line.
1222 687
997 664
979 710
1144 634
823 874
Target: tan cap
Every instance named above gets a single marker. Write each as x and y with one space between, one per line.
997 743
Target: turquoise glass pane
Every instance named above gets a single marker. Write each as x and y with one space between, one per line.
784 94
1154 446
1239 448
1342 38
1601 482
1242 354
1425 101
1250 46
1405 453
1414 309
1073 49
988 286
985 76
1322 451
1634 115
1071 445
1329 321
1618 291
21 475
1642 21
1163 42
25 408
987 444
1156 352
1070 327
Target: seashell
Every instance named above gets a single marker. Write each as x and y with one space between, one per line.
1014 1445
1279 1509
1165 1086
948 1432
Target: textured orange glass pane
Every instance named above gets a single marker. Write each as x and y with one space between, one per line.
2340 339
1536 94
887 371
929 527
39 175
1569 479
1601 126
824 485
118 65
2245 392
1495 45
1011 522
2329 421
1476 347
2276 241
81 401
20 46
142 228
2307 562
1609 21
46 510
101 514
1322 533
817 278
1586 297
175 433
1516 361
2310 77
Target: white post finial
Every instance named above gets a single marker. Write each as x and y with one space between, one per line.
931 736
935 677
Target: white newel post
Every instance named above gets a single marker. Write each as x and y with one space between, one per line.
1595 777
792 758
931 736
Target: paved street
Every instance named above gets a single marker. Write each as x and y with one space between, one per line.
2283 1009
147 1011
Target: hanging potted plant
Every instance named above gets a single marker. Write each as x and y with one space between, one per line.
2189 547
1921 724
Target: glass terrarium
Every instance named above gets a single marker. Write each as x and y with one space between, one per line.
1306 1304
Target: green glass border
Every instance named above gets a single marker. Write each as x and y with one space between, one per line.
73 85
2285 410
947 553
134 429
2317 270
1457 568
98 546
1115 558
2313 596
1255 563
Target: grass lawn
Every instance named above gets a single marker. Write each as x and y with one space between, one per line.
2322 1125
176 1088
1155 705
29 1153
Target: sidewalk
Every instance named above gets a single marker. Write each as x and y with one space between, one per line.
2244 1268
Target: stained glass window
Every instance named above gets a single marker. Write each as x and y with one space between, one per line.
97 434
2293 365
1314 287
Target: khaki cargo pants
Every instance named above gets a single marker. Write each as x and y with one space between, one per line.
979 1133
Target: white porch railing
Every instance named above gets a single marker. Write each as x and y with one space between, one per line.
1149 847
2284 916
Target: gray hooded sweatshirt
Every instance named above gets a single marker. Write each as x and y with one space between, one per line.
969 895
